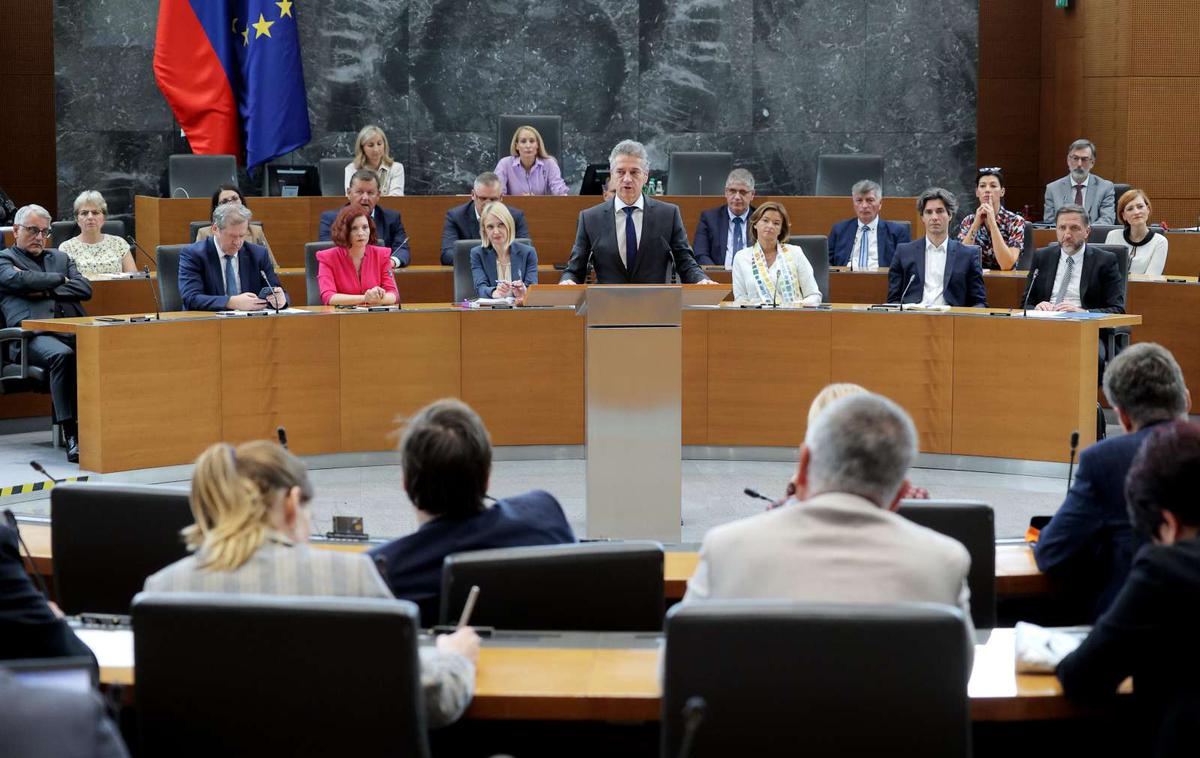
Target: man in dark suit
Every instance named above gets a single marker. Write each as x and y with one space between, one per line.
447 461
224 272
937 270
29 627
722 231
37 282
389 230
47 721
1089 545
632 239
1071 276
462 221
865 242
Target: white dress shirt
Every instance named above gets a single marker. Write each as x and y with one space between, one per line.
1072 296
619 217
872 245
237 274
730 250
391 179
935 273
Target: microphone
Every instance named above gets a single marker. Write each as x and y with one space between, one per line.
911 279
38 468
1025 309
1071 465
693 715
281 433
775 294
395 257
11 520
757 495
146 270
180 189
271 289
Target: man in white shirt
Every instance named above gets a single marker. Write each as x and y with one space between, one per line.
1081 187
937 270
722 231
866 242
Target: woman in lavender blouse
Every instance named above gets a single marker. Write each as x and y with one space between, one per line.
529 169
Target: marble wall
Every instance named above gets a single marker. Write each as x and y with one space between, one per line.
776 82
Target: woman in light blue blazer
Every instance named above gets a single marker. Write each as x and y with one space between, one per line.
501 267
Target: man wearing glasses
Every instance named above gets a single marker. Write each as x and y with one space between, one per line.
41 282
1082 187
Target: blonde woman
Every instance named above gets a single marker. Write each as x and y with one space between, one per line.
371 152
770 270
251 532
1147 248
528 169
501 267
92 251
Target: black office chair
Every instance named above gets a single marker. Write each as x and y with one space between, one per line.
1117 338
973 524
836 174
594 586
1025 258
199 175
550 127
312 287
771 678
254 675
816 250
333 176
166 259
16 373
1099 232
698 173
61 231
107 538
1120 189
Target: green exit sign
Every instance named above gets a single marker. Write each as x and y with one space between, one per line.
1061 3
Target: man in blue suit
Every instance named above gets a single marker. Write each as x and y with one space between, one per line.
224 272
866 242
937 270
389 230
462 221
1089 544
723 231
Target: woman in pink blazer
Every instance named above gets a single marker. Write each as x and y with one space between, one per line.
357 271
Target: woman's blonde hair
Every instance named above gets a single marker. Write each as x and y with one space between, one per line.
234 491
512 147
830 393
500 211
360 155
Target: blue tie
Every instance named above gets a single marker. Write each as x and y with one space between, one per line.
630 238
231 286
738 240
862 248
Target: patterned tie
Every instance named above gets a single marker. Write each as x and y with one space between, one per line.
862 248
231 286
738 240
1062 288
1079 194
630 238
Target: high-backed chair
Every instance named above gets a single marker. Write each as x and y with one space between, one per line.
698 173
974 525
816 250
107 538
257 675
166 259
333 176
1117 338
769 678
312 287
1026 256
61 231
550 127
596 586
1118 190
199 175
1099 232
836 174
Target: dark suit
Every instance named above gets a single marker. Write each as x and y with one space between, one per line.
522 261
389 230
28 628
45 287
1089 543
1149 633
662 240
461 224
44 722
1101 288
712 235
413 564
888 235
962 280
202 277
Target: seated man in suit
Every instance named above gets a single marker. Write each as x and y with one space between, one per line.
866 242
40 282
47 720
722 231
937 270
1081 187
1089 544
447 461
632 239
462 221
30 627
1071 276
839 540
389 230
226 273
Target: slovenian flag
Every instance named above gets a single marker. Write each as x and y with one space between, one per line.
231 72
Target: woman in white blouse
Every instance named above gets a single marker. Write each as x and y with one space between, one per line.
92 251
371 151
1147 248
770 270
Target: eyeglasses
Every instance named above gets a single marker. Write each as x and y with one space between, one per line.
87 213
36 231
1080 159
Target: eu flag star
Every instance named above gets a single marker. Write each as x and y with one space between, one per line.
285 8
263 27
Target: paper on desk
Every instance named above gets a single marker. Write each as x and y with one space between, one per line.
263 312
113 647
924 307
1046 314
1039 650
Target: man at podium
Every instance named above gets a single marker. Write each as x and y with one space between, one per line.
632 238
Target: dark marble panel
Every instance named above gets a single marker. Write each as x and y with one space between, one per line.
446 163
118 164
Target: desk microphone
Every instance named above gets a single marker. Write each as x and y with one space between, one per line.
396 249
1071 465
38 468
1025 308
911 278
146 270
281 433
693 715
271 289
11 520
757 495
775 294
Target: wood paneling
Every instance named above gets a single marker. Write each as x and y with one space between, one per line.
695 378
27 133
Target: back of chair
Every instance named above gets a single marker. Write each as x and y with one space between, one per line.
1118 190
1122 254
107 538
698 173
771 678
550 127
195 226
258 675
1099 232
816 250
836 174
594 586
166 258
464 282
974 525
1025 257
312 287
333 176
199 175
61 231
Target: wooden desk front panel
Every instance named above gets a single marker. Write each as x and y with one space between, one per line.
694 390
1171 317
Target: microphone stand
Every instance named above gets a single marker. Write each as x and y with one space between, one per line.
1025 313
270 287
911 279
146 270
1071 465
11 520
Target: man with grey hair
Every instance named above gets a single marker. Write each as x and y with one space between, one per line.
866 242
1089 544
41 282
225 272
937 270
633 238
462 221
1081 187
842 541
722 231
1072 275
